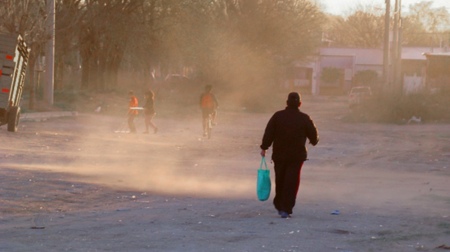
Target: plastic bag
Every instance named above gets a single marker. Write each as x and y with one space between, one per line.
263 184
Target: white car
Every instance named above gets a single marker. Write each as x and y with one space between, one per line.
359 95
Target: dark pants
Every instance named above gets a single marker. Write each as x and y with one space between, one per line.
287 181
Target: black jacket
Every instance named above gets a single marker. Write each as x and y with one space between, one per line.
288 130
149 107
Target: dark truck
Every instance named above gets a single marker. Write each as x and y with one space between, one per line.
13 66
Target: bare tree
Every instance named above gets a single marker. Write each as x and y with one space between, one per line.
231 41
430 26
103 36
69 14
228 42
246 44
421 26
432 19
360 29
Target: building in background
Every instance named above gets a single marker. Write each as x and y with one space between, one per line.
337 70
438 70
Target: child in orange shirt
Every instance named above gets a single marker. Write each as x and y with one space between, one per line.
132 113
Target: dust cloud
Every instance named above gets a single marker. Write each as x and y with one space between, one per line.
176 160
166 190
365 165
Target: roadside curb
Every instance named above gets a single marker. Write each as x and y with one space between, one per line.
43 116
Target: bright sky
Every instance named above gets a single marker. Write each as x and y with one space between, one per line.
343 7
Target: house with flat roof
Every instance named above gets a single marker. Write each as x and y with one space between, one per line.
337 70
438 70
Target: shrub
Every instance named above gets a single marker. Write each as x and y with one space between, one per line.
331 74
365 77
397 108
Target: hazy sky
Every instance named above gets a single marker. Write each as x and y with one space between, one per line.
340 7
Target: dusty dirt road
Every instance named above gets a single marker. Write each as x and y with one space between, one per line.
72 184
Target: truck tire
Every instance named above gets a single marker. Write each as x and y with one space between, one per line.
13 118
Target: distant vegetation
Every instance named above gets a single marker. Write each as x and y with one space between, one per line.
395 108
102 45
242 47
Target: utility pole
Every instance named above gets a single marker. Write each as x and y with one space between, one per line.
397 48
394 47
387 19
399 76
50 54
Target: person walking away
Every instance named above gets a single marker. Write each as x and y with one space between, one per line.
288 131
149 111
132 113
208 105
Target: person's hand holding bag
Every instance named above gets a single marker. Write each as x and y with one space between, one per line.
263 184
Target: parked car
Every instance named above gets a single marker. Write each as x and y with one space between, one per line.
359 95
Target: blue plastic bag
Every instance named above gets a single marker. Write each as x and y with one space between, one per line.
263 184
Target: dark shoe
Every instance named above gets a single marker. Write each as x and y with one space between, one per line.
284 215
